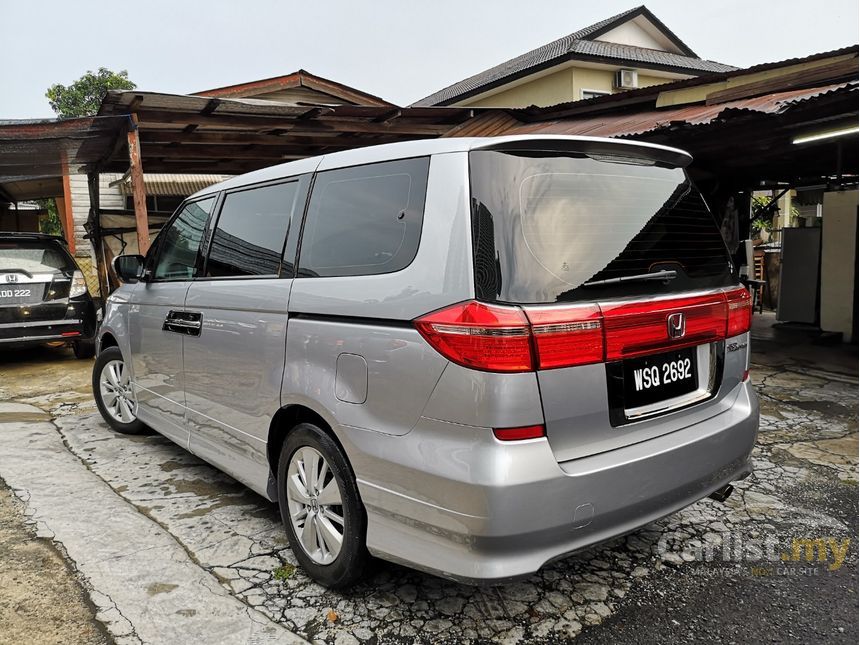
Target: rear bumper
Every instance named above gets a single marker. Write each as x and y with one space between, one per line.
452 500
79 323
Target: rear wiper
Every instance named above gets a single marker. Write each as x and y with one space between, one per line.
665 276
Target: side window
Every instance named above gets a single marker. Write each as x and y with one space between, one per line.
179 244
364 220
249 237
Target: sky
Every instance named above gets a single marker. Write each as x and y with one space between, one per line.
399 50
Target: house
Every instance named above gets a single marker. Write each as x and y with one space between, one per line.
631 50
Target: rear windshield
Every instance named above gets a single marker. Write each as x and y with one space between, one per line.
33 257
548 226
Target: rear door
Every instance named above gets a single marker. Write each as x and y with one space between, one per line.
624 276
157 322
235 360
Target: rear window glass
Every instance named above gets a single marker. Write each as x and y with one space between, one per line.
364 220
34 257
548 226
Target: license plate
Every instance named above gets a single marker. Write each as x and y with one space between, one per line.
652 379
16 296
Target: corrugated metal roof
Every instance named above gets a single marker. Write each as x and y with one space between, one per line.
638 123
577 45
178 185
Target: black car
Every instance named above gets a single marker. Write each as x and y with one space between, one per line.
43 295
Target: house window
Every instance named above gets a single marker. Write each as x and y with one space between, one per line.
590 94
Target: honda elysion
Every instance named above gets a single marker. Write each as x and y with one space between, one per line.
469 356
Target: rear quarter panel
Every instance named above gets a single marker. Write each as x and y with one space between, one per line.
369 317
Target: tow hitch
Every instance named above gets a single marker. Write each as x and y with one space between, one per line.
722 494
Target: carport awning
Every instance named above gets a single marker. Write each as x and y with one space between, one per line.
35 154
212 135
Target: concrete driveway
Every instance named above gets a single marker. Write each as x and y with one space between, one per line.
167 549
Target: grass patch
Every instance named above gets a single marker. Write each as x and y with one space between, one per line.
284 572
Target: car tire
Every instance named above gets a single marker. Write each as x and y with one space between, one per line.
313 539
120 412
84 348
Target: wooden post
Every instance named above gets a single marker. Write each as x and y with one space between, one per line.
138 190
67 218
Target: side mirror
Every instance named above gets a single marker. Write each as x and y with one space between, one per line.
128 268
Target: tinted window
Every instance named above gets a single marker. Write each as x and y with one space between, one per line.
546 224
179 244
252 226
34 257
364 220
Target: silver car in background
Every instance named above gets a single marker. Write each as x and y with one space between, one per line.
468 356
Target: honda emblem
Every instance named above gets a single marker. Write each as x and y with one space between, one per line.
677 325
11 277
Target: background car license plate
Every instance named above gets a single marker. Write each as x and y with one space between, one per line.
659 377
19 295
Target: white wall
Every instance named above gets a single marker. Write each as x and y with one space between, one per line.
839 262
109 196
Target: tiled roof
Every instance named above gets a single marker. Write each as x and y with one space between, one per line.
579 45
646 56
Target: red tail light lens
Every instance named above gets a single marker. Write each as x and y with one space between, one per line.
480 336
518 434
496 338
567 336
739 312
637 328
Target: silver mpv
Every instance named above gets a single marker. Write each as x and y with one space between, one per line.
469 356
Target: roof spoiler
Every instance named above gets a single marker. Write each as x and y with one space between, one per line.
592 146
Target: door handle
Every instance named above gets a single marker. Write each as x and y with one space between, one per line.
189 323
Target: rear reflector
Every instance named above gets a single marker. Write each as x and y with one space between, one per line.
740 312
484 337
70 333
517 434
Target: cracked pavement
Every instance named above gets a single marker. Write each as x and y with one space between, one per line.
171 550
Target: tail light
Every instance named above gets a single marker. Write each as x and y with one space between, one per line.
496 338
739 313
567 336
480 336
79 285
637 328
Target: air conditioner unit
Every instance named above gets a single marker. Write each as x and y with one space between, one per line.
626 79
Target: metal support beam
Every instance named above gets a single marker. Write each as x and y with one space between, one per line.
138 190
95 232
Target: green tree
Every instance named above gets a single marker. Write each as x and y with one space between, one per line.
49 222
84 96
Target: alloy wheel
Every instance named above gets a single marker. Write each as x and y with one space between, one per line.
315 505
117 392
